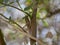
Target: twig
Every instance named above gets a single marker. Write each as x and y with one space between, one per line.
12 22
16 8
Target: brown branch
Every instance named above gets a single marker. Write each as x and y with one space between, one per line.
30 36
50 14
33 22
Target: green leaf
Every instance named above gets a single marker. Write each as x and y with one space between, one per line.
1 1
27 8
28 0
45 23
10 19
38 16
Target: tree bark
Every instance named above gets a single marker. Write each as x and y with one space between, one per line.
33 23
2 42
